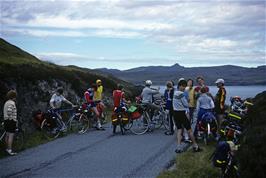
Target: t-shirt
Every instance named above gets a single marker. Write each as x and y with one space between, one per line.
191 96
98 93
169 94
205 102
220 99
88 95
118 96
57 100
10 110
198 88
147 94
180 102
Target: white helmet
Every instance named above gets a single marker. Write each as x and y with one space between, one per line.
220 80
148 82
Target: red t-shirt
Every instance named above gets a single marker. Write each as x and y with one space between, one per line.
118 95
197 89
88 97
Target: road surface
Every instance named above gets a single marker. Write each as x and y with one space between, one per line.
94 154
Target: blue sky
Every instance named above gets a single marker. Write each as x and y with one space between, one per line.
125 34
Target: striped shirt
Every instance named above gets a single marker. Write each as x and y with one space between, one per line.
10 110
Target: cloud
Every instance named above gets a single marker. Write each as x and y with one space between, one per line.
194 29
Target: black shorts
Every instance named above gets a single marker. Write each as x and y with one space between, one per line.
10 126
181 120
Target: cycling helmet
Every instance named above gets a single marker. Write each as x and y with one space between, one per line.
220 80
148 82
98 81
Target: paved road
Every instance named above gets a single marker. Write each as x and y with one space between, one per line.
94 154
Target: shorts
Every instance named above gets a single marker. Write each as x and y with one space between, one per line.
10 126
181 120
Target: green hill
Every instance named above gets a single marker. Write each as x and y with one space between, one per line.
35 80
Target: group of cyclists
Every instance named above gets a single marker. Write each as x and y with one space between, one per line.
186 105
181 102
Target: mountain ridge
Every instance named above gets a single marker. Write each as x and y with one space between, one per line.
234 75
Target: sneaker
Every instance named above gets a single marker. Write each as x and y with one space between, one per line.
188 140
10 152
196 149
178 151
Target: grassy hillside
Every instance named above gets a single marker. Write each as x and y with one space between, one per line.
35 80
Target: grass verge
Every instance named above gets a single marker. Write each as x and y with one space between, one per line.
193 165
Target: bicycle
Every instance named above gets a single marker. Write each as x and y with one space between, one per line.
51 123
18 143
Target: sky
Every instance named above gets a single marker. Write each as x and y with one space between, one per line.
123 34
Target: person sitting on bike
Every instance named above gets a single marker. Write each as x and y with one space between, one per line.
89 98
180 107
56 102
10 120
98 96
119 100
168 95
204 104
147 97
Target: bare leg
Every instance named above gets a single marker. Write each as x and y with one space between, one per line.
179 136
10 140
191 135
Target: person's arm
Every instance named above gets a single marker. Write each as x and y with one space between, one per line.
52 102
222 100
67 101
212 103
184 101
198 104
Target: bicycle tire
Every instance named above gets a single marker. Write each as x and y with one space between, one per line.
140 125
83 124
48 131
157 121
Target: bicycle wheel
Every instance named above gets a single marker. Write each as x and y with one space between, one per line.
157 120
48 131
19 140
140 125
81 125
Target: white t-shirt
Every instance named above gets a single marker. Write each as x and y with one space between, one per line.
57 100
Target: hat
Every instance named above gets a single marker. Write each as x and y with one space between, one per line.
219 81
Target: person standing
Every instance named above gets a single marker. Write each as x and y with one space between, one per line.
201 83
89 98
10 120
219 101
180 106
191 99
168 95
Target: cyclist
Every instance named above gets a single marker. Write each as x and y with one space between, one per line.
56 102
168 95
119 100
10 120
89 98
204 104
201 83
180 106
219 100
147 97
98 96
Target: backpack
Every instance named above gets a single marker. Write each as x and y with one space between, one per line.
220 155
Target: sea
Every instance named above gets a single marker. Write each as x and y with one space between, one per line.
242 91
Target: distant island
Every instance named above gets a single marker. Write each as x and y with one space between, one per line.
233 75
